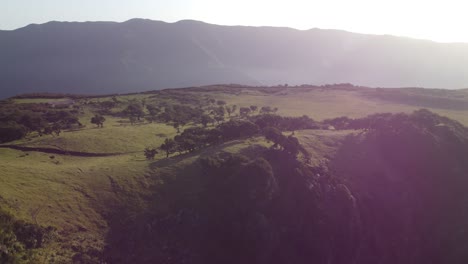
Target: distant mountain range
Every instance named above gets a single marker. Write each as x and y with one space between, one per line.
137 55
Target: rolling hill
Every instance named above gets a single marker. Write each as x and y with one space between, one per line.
138 55
377 188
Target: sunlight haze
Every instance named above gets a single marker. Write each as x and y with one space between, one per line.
442 21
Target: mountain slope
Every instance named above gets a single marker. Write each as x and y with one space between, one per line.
136 55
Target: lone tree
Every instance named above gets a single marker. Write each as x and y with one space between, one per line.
253 108
176 125
132 120
231 109
274 135
169 146
150 153
98 120
244 111
219 114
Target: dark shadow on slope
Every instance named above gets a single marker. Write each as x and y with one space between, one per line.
409 178
63 152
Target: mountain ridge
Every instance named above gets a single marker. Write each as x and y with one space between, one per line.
142 54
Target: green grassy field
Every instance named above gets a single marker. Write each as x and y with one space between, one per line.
323 104
113 138
66 192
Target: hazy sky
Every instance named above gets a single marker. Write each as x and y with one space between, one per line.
444 21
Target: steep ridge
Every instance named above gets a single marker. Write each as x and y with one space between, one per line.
394 192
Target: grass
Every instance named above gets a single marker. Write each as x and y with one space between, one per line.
69 193
324 103
73 194
115 137
322 144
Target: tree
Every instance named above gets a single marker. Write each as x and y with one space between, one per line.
176 125
219 119
253 108
244 111
231 109
291 146
219 114
11 131
98 120
32 122
54 129
288 144
153 113
106 106
132 120
205 119
150 153
168 146
266 110
236 129
134 110
221 102
274 135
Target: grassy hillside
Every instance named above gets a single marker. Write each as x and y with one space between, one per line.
69 193
93 202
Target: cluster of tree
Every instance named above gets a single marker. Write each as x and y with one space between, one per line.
217 113
18 239
150 153
392 122
179 97
98 120
246 111
12 131
288 144
18 121
195 138
153 112
134 112
180 115
106 106
285 123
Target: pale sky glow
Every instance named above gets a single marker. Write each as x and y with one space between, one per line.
443 21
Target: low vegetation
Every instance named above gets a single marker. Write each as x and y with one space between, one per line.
20 241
